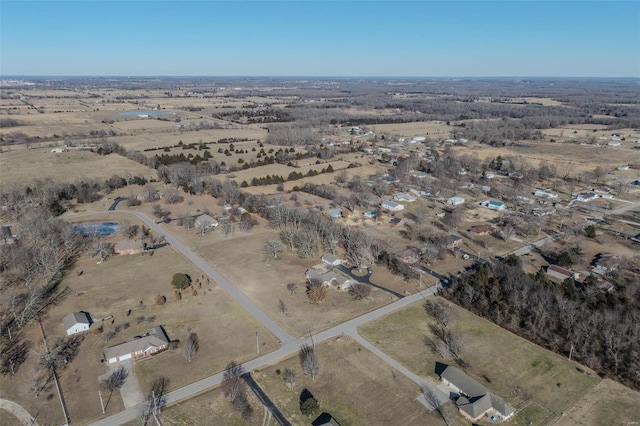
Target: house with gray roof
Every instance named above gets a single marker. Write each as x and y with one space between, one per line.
474 400
330 279
77 322
156 340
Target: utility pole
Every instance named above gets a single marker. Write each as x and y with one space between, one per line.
257 344
571 352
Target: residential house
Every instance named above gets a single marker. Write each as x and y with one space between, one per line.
396 221
420 175
334 213
206 221
392 206
331 260
127 246
455 201
401 196
325 419
560 273
77 322
329 279
474 400
369 214
485 229
156 340
489 175
585 196
545 194
614 144
494 205
432 193
409 255
452 242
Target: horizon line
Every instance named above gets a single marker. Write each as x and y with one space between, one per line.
2 77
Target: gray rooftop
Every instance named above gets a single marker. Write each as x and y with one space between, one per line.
76 318
156 337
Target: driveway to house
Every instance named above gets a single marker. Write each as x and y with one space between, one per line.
20 413
282 335
366 279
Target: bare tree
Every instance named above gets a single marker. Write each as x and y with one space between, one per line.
316 291
101 249
232 383
439 311
273 248
155 399
282 307
360 291
432 400
191 346
115 381
290 378
309 361
292 287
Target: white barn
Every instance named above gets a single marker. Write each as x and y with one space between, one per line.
77 322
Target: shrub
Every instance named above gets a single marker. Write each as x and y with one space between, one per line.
180 281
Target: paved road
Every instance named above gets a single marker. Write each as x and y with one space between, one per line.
286 350
20 413
266 401
282 335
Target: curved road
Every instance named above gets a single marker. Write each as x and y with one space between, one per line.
20 413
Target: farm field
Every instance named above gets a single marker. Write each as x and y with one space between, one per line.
522 373
26 165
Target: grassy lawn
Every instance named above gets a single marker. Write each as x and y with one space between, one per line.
508 365
354 386
607 403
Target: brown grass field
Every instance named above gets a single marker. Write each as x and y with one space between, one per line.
519 371
25 165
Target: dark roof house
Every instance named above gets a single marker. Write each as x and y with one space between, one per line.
474 400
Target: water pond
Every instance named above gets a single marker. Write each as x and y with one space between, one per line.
146 112
103 228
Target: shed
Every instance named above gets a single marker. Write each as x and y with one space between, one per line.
455 201
77 322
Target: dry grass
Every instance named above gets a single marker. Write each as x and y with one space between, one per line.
354 386
23 166
518 370
608 402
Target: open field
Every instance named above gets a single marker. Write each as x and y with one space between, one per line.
608 402
124 283
24 166
506 364
354 386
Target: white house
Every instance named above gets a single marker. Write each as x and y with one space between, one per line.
392 206
206 221
489 175
156 340
334 213
585 196
401 196
614 144
77 322
493 205
455 201
545 194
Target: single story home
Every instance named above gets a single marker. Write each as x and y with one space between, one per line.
585 196
156 340
420 175
329 279
544 194
77 322
396 221
489 175
401 196
452 241
127 246
560 273
331 260
485 229
334 213
472 399
392 206
369 214
455 201
325 419
409 255
494 205
206 221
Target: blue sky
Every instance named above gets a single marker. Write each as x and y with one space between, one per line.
330 38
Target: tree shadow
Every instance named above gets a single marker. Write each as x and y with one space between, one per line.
304 395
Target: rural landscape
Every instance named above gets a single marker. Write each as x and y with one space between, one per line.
319 251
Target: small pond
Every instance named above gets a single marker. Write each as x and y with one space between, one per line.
146 112
103 228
